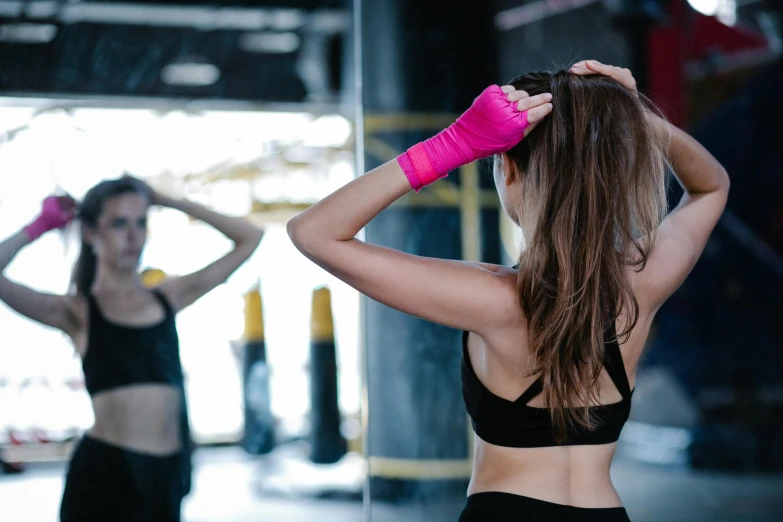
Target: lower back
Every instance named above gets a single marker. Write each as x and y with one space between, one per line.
143 418
569 475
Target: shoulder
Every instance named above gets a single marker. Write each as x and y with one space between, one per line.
169 291
501 286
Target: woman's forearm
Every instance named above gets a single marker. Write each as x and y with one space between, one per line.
236 229
11 246
340 216
696 169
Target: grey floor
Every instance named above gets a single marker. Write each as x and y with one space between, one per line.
230 487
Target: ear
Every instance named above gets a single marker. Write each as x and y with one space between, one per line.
509 168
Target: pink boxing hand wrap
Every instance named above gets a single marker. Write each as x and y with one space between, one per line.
52 216
490 126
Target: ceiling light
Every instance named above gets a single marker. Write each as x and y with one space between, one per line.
191 74
269 42
28 33
705 7
286 19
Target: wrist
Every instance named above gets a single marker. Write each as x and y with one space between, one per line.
432 159
34 230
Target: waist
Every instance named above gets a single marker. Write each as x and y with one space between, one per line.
145 418
568 475
505 507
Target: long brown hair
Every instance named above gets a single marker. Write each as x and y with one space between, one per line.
593 177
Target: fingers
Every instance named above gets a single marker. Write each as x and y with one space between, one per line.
534 101
619 74
607 70
68 204
514 96
581 68
536 114
537 107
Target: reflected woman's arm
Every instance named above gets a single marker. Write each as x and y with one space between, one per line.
53 310
185 290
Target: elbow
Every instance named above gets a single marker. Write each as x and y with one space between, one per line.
299 235
310 237
724 184
251 241
257 237
725 180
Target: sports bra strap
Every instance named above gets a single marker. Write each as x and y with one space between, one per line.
163 301
613 362
532 390
95 313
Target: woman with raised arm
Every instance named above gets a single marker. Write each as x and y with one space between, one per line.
550 346
134 463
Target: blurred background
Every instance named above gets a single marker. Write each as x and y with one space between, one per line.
307 401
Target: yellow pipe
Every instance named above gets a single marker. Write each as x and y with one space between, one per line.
321 323
470 213
407 122
254 317
420 469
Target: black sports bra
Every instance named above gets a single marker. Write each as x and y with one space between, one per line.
119 355
515 424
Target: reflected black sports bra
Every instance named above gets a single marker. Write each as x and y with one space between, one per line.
119 355
515 424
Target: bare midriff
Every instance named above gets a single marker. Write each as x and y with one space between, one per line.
143 418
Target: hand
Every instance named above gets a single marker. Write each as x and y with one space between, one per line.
496 121
620 75
56 212
154 197
537 107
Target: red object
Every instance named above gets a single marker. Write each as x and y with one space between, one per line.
689 36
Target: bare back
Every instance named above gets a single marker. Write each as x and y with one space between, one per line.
571 475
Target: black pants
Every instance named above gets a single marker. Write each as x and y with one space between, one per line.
505 507
107 483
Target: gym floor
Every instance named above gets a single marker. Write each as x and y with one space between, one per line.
231 487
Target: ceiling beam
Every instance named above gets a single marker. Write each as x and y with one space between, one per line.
191 16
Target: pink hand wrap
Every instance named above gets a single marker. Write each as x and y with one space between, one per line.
52 216
490 126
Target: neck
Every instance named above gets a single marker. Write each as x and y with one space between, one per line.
114 281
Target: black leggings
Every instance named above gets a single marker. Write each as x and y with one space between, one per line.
106 482
505 507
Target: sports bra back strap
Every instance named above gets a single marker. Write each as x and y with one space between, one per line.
532 390
613 361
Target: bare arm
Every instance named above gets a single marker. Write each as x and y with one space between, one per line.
683 234
185 290
52 310
458 294
453 293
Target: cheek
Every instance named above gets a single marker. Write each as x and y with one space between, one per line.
113 240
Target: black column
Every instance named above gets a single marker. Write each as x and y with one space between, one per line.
432 59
